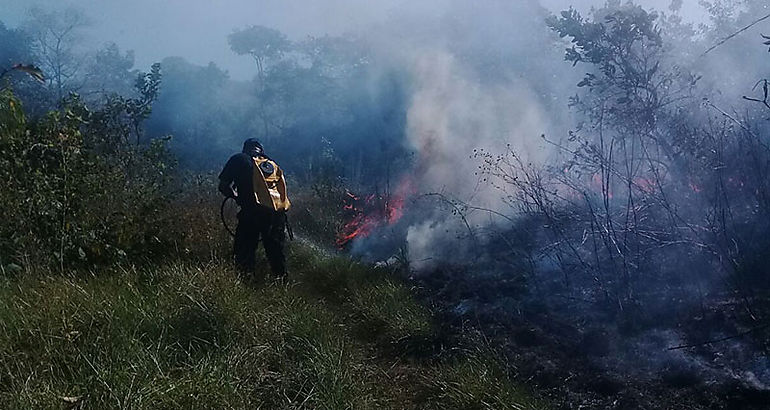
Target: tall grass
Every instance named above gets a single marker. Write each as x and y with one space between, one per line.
189 335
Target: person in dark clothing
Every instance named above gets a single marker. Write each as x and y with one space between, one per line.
259 187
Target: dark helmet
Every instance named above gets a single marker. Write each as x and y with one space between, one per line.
253 147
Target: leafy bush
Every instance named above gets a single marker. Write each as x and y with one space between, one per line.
82 188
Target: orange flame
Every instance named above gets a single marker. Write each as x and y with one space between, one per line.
369 213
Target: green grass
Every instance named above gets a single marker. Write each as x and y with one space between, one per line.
338 335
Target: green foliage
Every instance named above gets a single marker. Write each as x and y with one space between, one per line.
623 33
79 192
624 44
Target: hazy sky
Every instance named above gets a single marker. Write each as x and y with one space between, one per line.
197 29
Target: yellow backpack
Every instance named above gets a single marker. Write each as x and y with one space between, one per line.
270 185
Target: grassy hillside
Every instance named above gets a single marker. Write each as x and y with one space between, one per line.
186 335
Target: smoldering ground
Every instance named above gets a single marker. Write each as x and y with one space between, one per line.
443 113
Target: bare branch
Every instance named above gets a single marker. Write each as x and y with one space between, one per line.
737 33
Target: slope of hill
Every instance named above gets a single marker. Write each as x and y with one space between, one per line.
194 335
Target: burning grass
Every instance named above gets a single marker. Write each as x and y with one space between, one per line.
366 214
191 335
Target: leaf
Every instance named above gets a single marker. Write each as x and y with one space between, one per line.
30 69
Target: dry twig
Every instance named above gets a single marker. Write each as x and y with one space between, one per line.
737 33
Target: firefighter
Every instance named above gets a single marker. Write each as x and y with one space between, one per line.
258 185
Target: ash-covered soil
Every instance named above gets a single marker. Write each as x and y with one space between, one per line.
582 355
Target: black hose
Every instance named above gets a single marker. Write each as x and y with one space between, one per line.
222 215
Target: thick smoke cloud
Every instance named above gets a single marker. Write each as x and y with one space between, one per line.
480 76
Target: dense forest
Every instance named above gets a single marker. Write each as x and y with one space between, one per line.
515 207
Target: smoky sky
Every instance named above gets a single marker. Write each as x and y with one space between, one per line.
197 29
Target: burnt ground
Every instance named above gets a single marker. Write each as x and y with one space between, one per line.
580 355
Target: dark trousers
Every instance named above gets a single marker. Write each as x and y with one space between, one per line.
270 227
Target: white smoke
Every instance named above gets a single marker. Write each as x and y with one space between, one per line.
450 116
483 76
